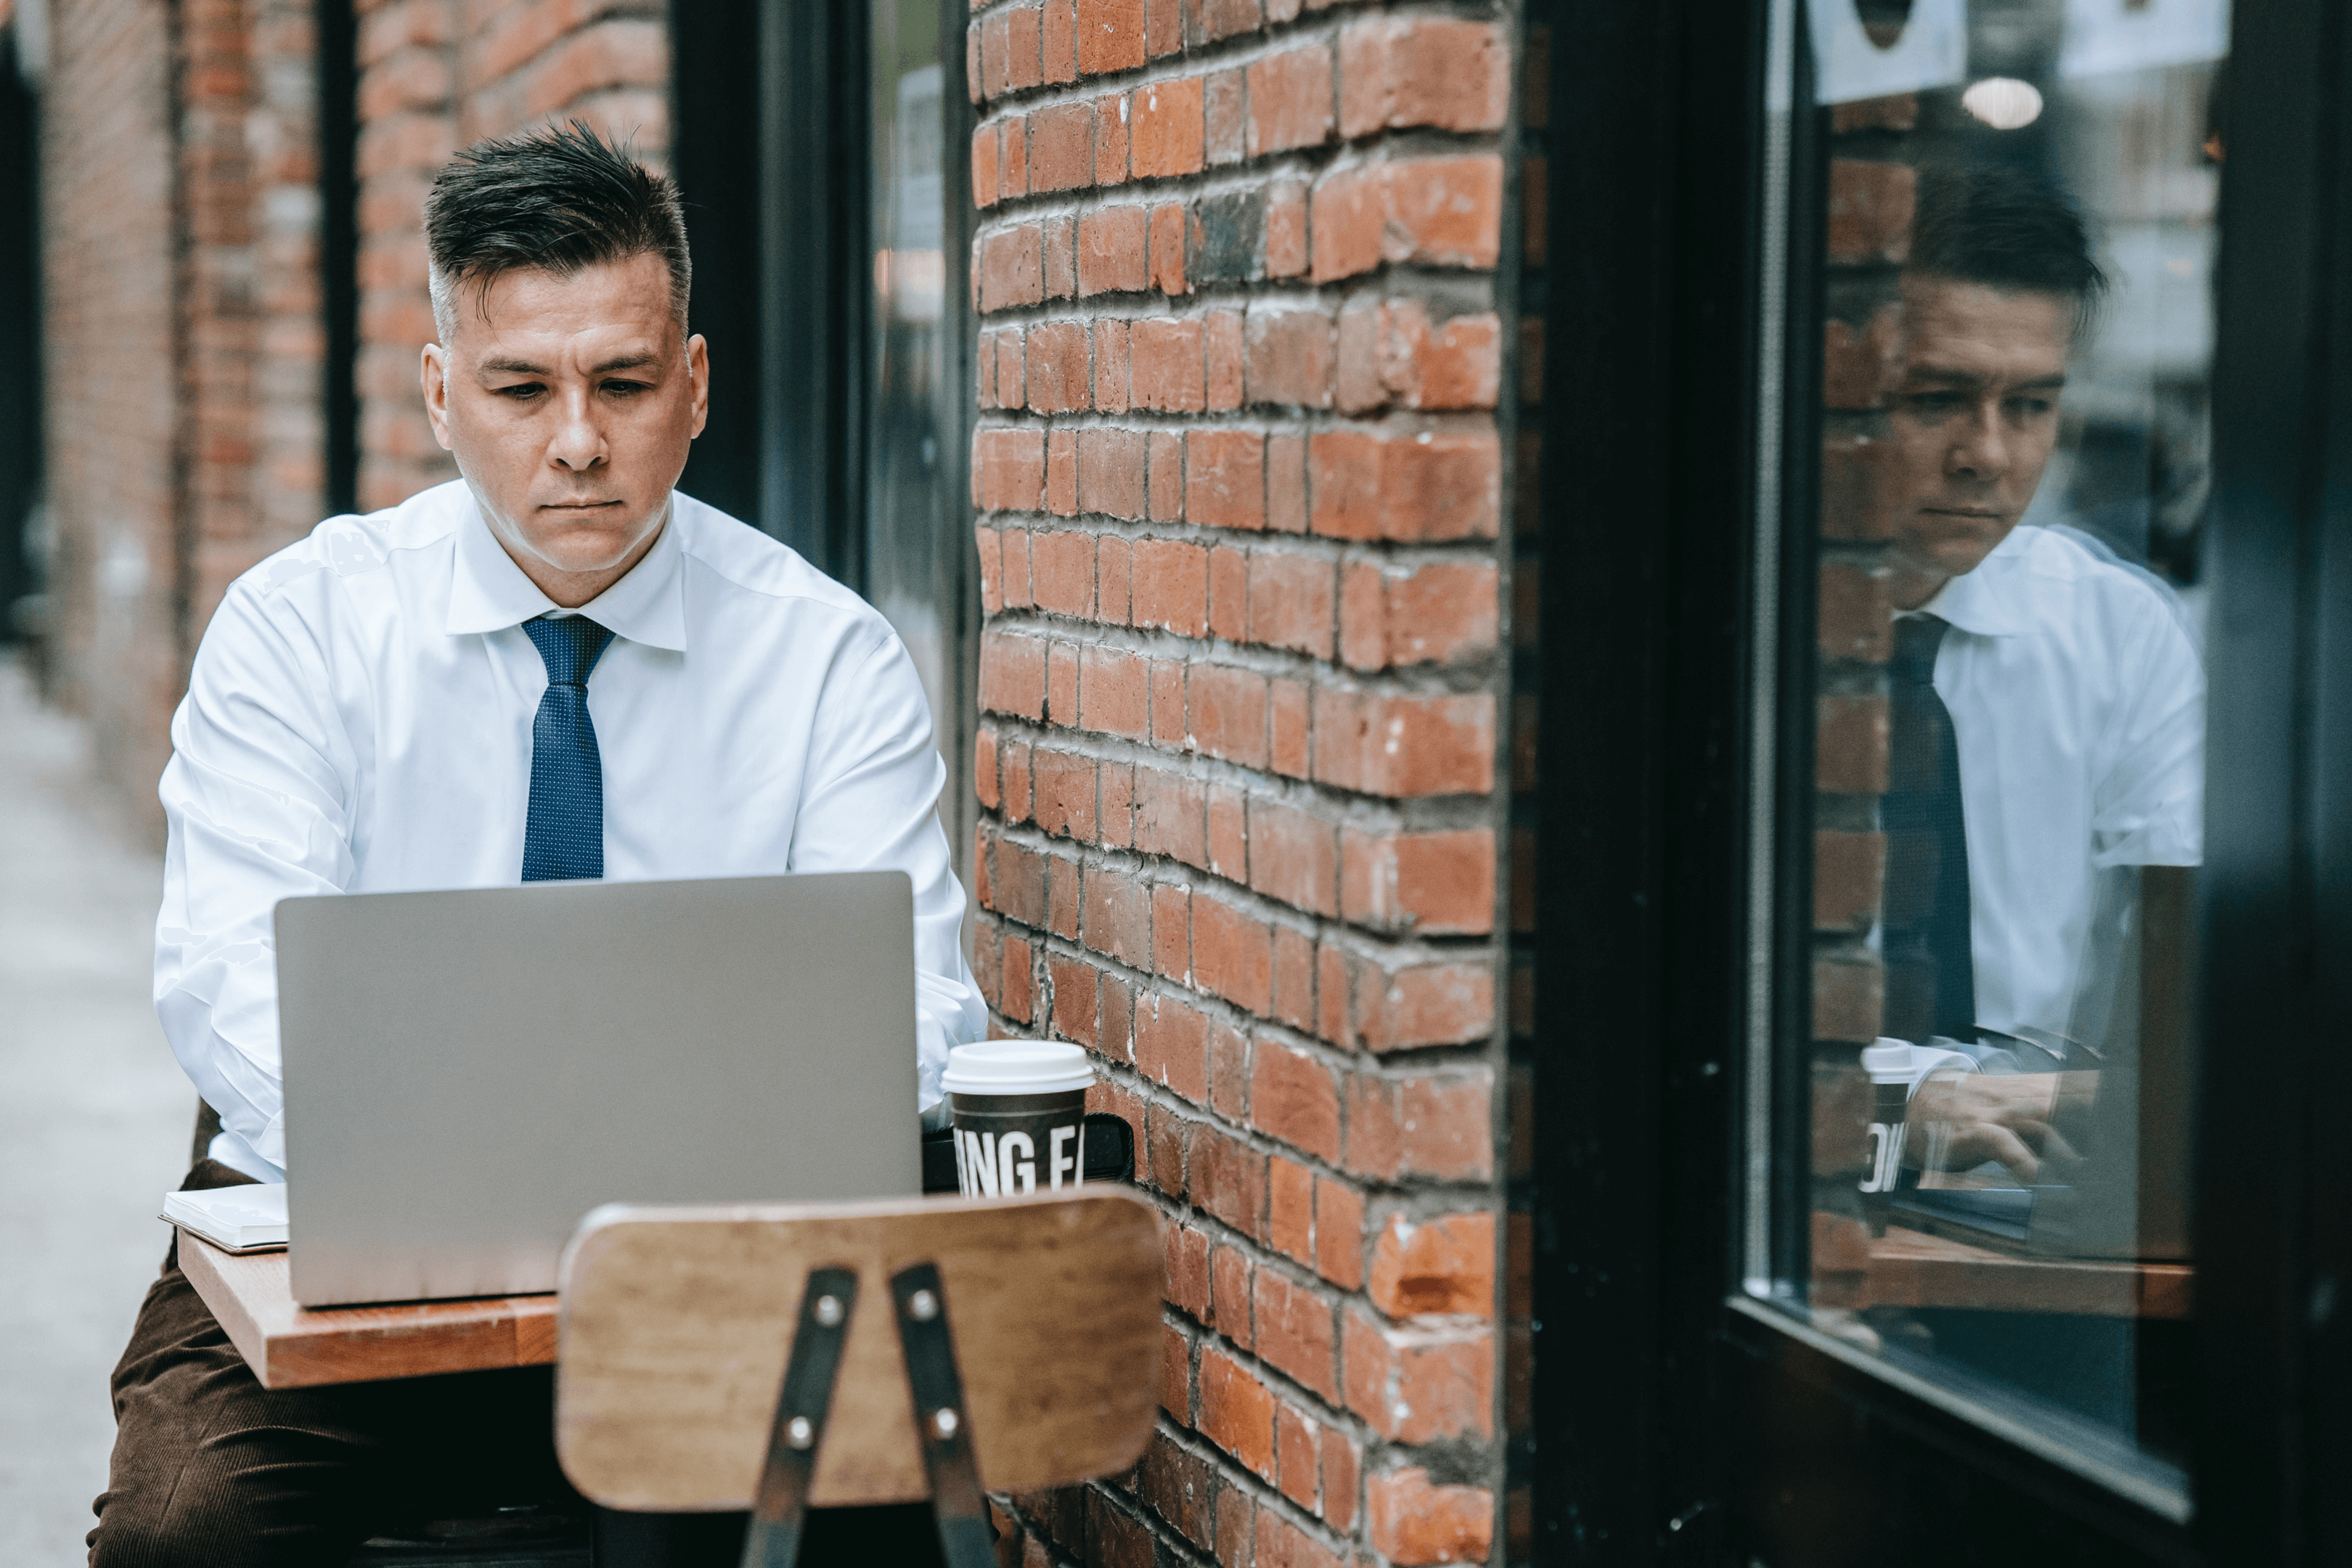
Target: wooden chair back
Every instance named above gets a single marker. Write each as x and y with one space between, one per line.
675 1324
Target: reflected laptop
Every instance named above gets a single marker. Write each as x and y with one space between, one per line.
469 1073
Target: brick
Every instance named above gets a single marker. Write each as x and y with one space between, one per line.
1012 159
1012 268
1342 1463
1062 567
1233 952
1294 978
1172 931
1282 1545
1110 138
1220 351
987 946
1430 884
1411 1522
1019 992
1228 833
1062 147
1429 487
983 766
1065 793
1010 470
1112 694
1165 362
1859 479
1870 210
1346 212
1229 1288
1438 72
1118 1025
1061 257
1416 1385
1224 474
1172 1046
1298 1458
1110 472
1177 1486
1849 745
1110 35
1441 211
1013 675
1222 123
1436 1125
1168 1136
1118 919
1114 1537
1289 357
1293 1096
1023 63
1016 781
1286 709
1435 1267
1860 365
1215 20
1011 367
1296 1332
1226 1178
1285 228
1227 714
1229 594
1849 869
1228 1069
1293 855
1167 475
1111 251
1184 1265
1111 391
1236 1514
1856 618
1237 1412
1849 1000
1170 679
1112 572
1338 1233
1390 352
1225 237
1291 602
1062 472
1167 130
1077 999
1290 100
991 569
1170 587
1170 816
1015 544
1167 248
1060 41
1403 747
1062 895
1164 27
985 143
1290 1210
1286 483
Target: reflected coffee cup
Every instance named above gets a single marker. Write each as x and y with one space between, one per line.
1019 1108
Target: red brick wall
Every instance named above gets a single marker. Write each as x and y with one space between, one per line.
1240 475
436 75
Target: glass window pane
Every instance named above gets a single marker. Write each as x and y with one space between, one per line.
2014 298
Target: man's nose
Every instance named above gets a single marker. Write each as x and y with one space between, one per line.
579 443
1980 452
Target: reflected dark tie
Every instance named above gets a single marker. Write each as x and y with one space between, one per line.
1930 972
563 838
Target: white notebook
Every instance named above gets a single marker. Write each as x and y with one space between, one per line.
249 1219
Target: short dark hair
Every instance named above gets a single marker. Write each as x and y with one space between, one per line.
557 200
2004 229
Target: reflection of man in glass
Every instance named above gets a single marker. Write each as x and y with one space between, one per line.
2047 706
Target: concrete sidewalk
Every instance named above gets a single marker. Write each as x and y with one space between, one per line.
98 1116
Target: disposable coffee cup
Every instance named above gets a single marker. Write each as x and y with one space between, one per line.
1020 1116
1889 1064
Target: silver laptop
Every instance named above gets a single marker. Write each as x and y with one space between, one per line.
468 1074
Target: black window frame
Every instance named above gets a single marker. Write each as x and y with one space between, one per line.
1675 1419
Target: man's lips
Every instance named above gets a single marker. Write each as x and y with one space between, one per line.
578 505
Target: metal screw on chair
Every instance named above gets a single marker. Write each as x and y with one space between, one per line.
944 1423
828 1311
922 1306
798 1433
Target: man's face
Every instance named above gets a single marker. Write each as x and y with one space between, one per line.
1973 422
570 403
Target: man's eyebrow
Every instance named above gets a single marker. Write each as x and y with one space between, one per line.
525 367
1949 376
512 367
625 362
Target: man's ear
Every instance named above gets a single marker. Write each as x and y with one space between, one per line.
697 366
434 373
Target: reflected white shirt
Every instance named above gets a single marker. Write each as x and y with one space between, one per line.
359 718
2078 708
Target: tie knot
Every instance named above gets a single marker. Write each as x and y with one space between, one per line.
569 645
1916 638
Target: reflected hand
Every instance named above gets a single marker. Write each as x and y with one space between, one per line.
1962 1120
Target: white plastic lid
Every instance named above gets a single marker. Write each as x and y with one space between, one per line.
1017 1066
1888 1061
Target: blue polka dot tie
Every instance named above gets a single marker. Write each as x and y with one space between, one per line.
563 838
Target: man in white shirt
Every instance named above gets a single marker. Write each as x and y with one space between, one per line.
556 666
2047 700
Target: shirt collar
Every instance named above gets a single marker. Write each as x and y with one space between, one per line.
489 592
1985 600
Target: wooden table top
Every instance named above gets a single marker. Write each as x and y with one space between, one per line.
1913 1269
289 1346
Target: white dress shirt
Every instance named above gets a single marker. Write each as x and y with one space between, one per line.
359 719
2078 708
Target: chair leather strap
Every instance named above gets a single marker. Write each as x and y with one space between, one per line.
779 1514
942 1425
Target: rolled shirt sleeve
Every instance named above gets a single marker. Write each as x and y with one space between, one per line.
257 810
871 804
